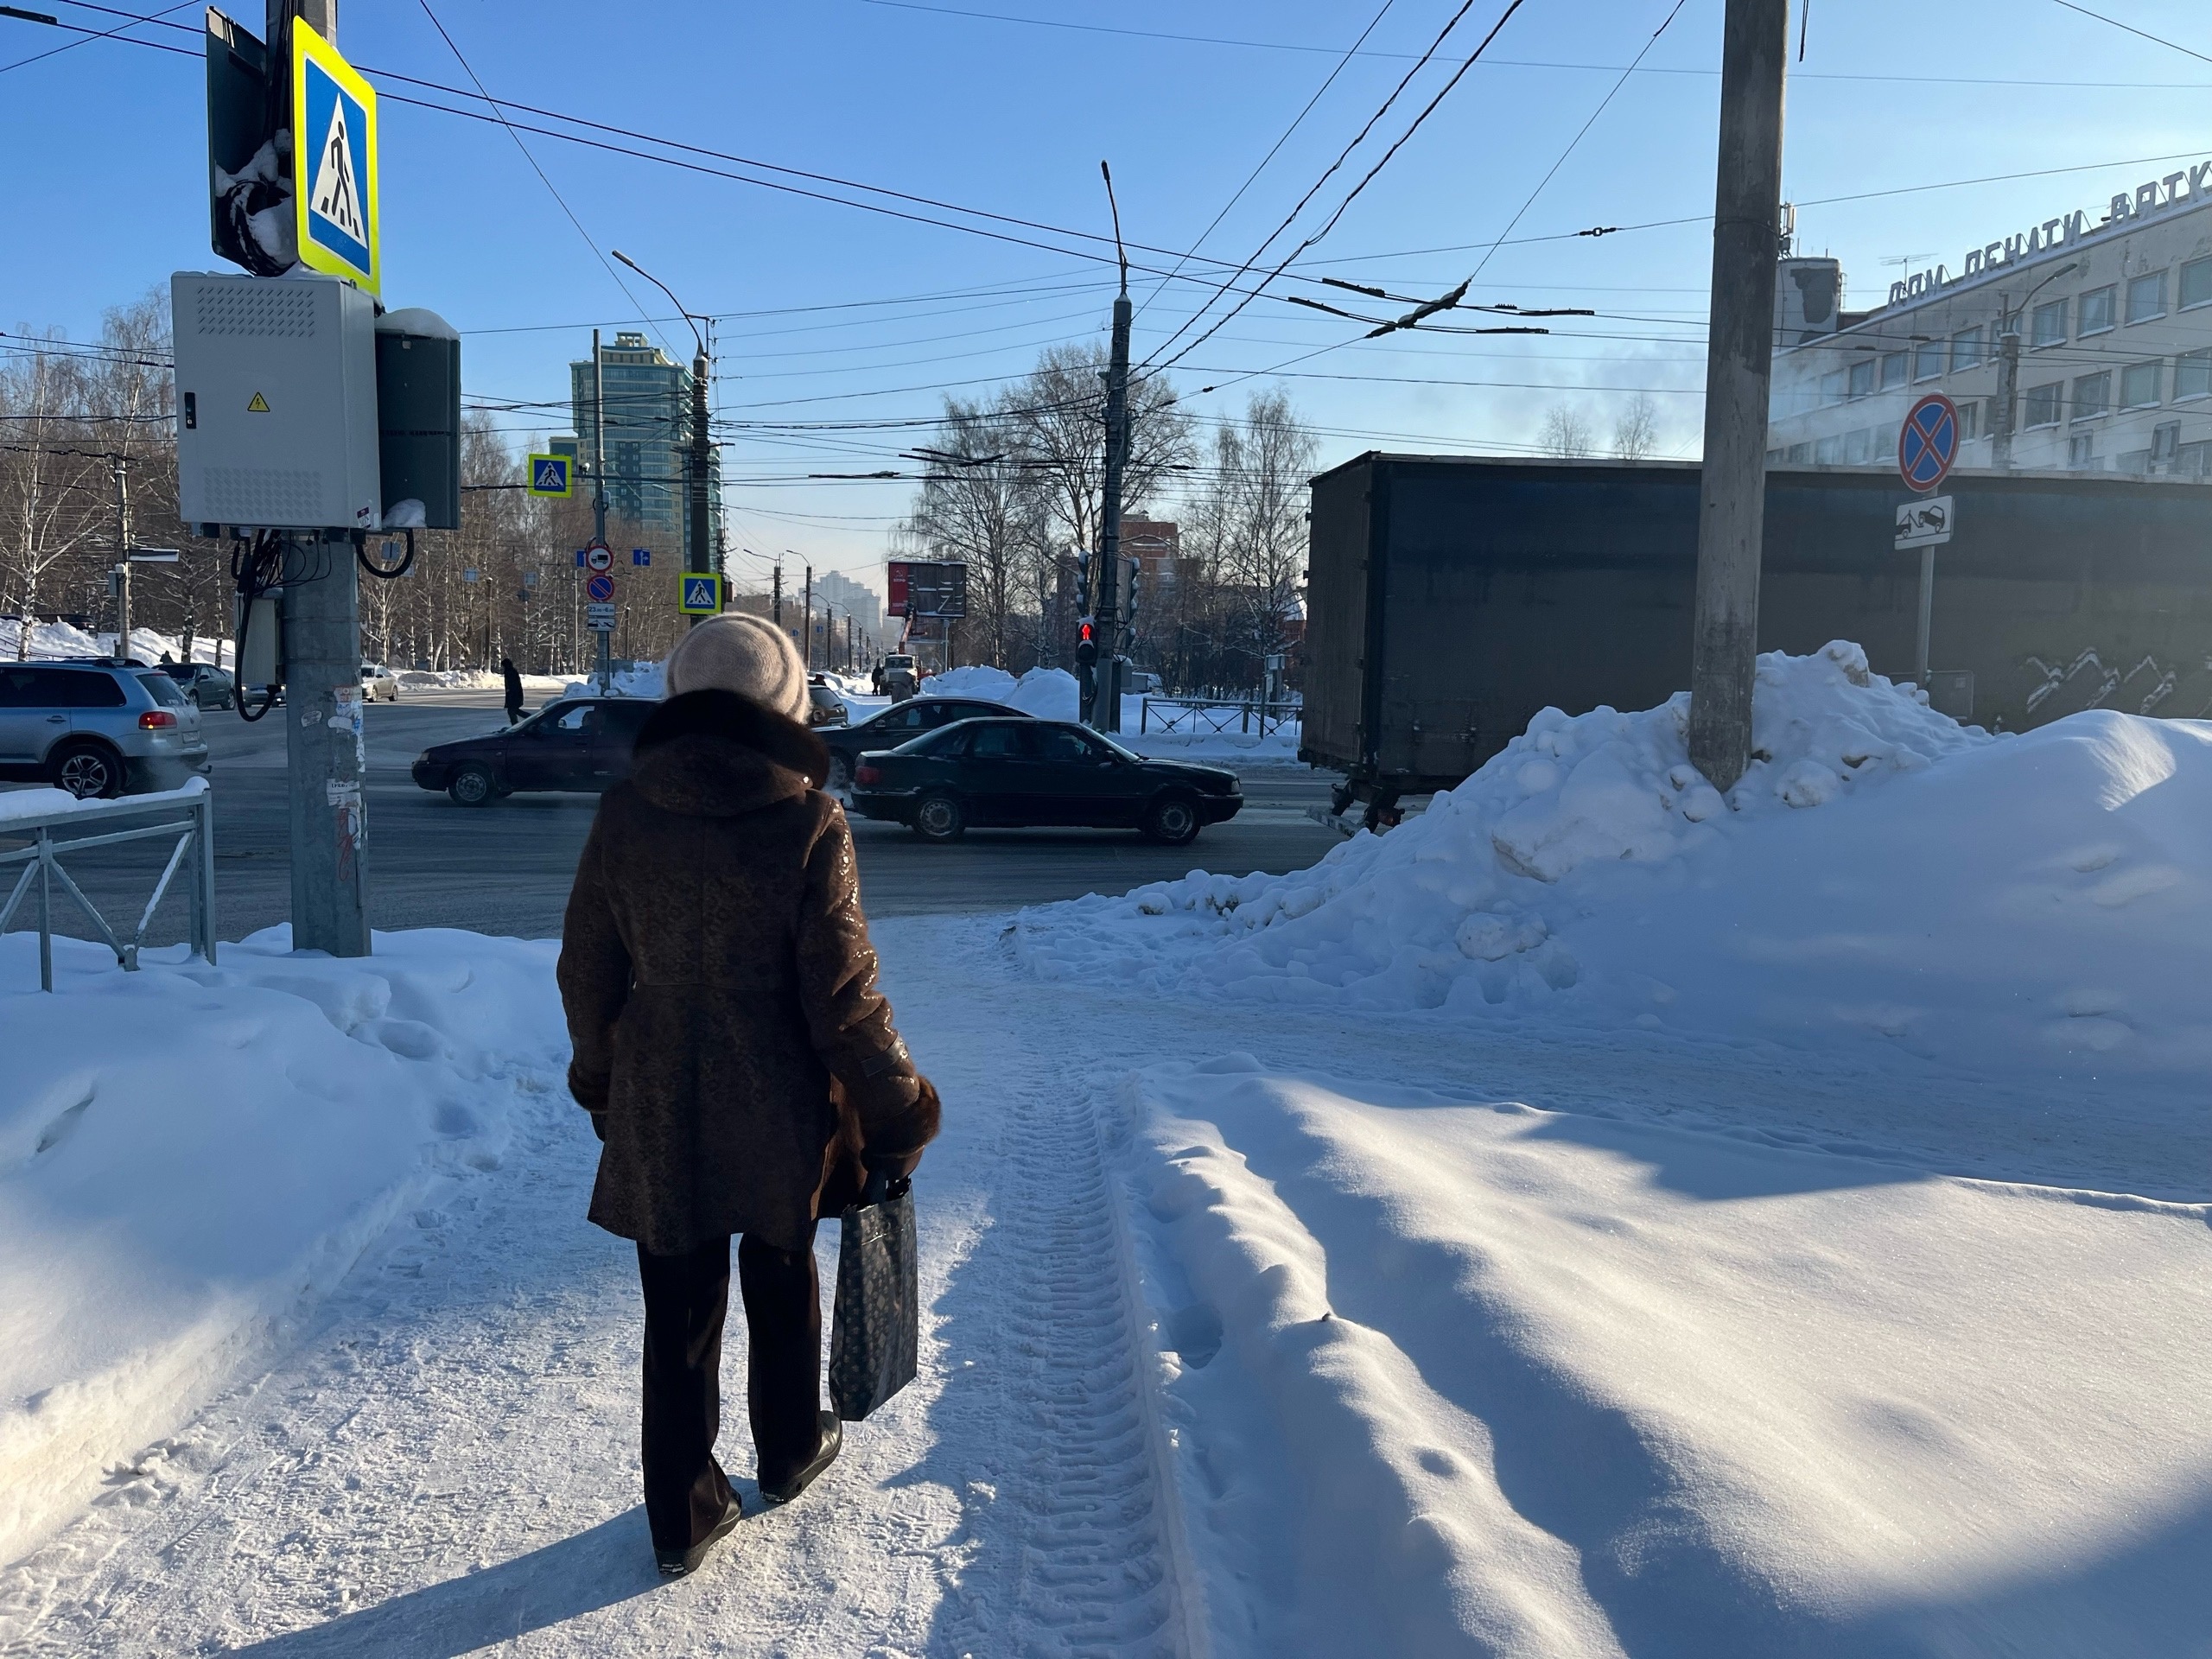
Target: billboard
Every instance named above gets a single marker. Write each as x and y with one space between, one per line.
919 588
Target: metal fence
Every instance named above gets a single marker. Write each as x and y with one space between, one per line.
1204 715
188 814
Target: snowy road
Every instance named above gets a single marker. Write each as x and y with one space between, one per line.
444 1461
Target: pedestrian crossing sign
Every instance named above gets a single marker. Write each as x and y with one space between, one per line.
702 595
553 475
335 171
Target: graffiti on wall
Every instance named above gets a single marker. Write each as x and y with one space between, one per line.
2147 686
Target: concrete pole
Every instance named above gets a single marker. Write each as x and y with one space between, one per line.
601 642
1106 702
323 743
2008 393
806 619
1739 359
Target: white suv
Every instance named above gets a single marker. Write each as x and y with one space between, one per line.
95 729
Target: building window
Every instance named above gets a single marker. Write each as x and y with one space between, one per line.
1832 388
2093 395
2193 375
2044 403
1928 360
2139 384
1854 446
2081 452
1882 443
1828 451
1892 369
2048 327
1798 454
2165 444
1965 347
1862 377
1969 420
2197 283
2146 296
2096 310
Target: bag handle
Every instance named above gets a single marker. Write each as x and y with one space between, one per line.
883 1186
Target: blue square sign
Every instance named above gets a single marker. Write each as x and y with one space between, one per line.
641 556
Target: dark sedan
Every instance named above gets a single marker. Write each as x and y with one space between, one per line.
1023 771
898 724
578 743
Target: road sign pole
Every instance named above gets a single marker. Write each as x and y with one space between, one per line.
1927 613
599 495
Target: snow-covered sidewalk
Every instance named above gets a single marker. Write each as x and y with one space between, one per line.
1634 1342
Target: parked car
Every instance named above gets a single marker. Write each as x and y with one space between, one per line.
896 725
578 743
824 706
207 686
378 681
96 729
1023 771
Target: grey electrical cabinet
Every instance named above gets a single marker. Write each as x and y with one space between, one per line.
276 402
418 419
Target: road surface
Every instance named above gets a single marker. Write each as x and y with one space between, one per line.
506 868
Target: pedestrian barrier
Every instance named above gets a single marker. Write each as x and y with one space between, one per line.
1204 714
187 813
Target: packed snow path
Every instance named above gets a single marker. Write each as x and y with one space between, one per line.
444 1461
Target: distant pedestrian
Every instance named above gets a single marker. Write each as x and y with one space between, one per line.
514 688
736 1059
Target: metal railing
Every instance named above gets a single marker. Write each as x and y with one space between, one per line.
1210 715
187 813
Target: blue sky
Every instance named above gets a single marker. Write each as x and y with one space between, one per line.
106 194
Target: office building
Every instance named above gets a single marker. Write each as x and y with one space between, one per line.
648 437
2111 370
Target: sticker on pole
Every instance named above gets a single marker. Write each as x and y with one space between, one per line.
600 588
334 169
552 475
702 594
1928 443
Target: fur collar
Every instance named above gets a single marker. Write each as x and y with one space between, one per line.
715 754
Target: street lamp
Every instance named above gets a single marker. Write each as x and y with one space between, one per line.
698 557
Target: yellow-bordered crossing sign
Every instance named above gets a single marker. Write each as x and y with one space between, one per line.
701 594
334 167
552 475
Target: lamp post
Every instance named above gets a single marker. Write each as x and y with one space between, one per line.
699 555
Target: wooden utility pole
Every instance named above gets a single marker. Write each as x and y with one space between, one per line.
1739 367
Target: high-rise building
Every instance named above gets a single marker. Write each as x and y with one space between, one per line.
850 598
648 437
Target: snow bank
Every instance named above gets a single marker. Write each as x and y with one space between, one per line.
2040 900
189 1152
1053 693
54 639
1461 1377
38 801
643 680
1048 693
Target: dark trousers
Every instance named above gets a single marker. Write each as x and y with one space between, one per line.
687 1297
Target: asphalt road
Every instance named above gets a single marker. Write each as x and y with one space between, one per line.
506 868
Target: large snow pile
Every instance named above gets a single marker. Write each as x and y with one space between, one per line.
188 1152
61 640
2030 900
1456 1377
640 680
1048 693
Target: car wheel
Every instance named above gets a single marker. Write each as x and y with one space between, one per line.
1172 820
938 817
840 774
88 772
472 785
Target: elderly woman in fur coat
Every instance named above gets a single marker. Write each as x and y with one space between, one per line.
735 1057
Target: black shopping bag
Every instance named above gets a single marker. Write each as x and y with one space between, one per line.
876 1330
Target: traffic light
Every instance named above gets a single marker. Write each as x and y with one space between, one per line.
1086 650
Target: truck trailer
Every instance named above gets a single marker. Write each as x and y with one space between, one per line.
1449 599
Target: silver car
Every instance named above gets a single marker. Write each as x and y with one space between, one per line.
96 729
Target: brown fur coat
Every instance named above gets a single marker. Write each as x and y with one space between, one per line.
720 989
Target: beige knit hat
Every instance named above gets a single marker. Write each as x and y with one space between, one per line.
748 655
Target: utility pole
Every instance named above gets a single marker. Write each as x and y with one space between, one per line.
806 615
702 549
1739 367
1106 701
602 641
2008 379
322 678
778 604
120 465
